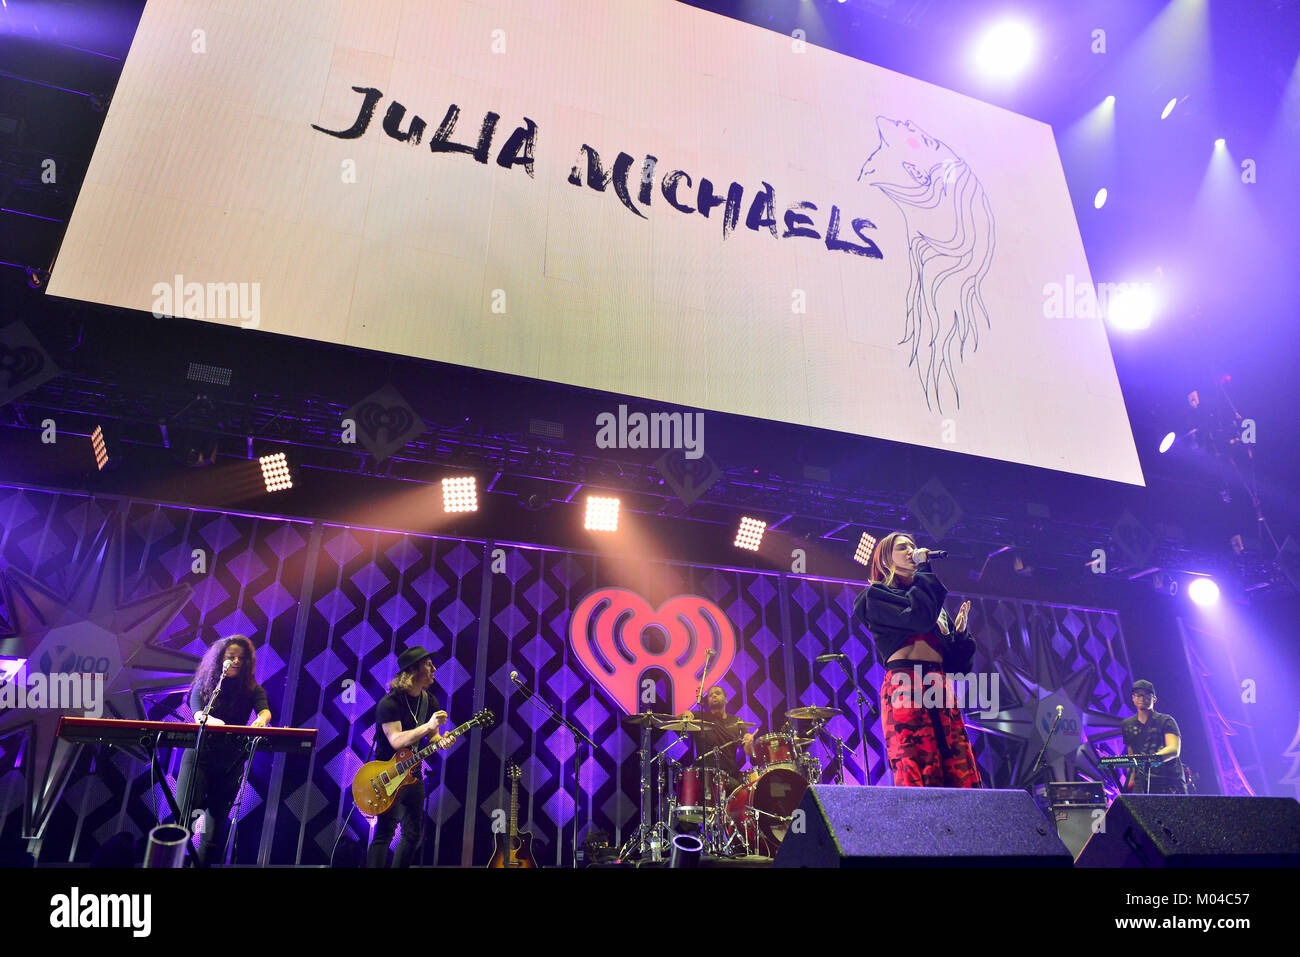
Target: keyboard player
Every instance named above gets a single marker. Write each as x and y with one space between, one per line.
215 774
1153 733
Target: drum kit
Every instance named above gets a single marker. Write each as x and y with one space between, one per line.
746 818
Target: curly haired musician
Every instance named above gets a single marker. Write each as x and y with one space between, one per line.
1150 732
213 777
903 610
403 717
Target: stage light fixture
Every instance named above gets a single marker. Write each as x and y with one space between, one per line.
1130 309
1099 200
1220 143
460 494
866 544
1169 108
1203 591
1005 49
100 448
602 514
275 472
1109 101
1167 442
750 534
208 375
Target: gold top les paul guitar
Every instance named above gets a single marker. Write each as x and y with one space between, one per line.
376 785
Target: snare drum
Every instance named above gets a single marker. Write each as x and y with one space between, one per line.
775 749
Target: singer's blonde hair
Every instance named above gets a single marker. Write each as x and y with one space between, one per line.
882 571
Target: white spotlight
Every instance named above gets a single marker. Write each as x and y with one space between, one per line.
1220 143
1005 49
1203 591
602 514
1130 309
275 472
1167 442
1099 200
1169 108
865 545
459 494
750 534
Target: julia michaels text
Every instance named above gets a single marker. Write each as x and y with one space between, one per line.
676 187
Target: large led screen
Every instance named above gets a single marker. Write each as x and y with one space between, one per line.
642 198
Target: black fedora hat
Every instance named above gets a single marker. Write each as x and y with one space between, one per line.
411 657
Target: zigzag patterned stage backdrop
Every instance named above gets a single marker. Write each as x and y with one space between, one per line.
331 607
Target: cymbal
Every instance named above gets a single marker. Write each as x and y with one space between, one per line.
747 724
683 724
804 742
812 712
643 718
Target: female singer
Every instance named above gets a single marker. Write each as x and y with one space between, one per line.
903 610
215 776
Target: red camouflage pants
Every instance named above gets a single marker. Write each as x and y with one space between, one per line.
927 747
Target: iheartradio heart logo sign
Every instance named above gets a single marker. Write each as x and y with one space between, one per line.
617 636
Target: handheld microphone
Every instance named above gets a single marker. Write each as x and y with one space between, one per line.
935 553
830 657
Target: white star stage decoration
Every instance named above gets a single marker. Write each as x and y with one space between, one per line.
1029 697
90 628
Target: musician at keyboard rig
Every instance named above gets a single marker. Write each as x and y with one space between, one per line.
217 772
1150 732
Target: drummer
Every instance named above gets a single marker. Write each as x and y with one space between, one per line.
720 728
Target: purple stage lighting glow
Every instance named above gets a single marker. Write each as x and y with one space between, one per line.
1203 591
1005 49
1169 108
1167 442
1099 200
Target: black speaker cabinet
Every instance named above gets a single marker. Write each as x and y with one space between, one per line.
840 826
1173 830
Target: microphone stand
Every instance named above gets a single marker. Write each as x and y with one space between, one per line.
861 699
1038 761
187 803
577 736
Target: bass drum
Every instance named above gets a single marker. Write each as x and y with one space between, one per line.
759 814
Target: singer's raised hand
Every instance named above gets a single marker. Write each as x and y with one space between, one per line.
920 555
962 613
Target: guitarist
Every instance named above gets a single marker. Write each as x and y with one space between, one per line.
404 716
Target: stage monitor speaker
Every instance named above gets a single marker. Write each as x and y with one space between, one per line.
1173 830
837 826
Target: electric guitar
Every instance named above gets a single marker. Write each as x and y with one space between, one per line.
376 785
515 847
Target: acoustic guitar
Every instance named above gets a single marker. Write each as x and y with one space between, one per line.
515 847
375 786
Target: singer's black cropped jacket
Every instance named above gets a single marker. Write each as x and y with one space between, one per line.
894 616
